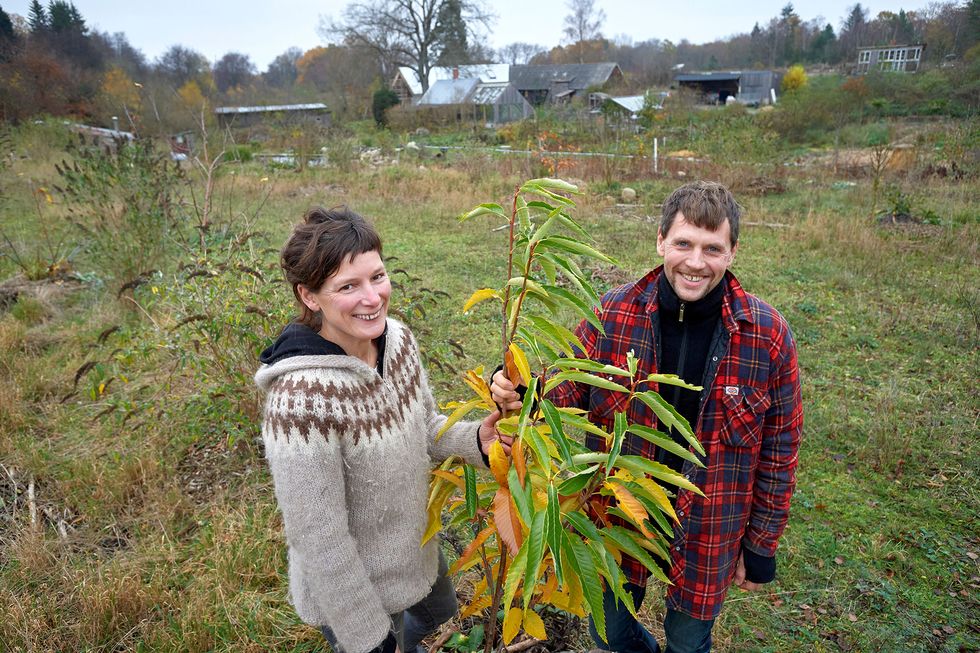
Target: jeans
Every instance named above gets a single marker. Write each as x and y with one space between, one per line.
412 625
627 635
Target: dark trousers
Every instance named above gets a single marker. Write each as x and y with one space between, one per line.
627 635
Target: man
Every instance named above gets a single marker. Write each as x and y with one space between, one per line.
690 317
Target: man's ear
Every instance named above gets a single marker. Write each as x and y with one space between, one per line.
308 298
660 243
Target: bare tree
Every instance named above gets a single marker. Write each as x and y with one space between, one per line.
585 21
232 70
402 32
519 53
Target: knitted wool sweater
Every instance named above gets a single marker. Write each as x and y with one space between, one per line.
350 454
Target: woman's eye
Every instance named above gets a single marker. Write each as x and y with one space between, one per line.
380 276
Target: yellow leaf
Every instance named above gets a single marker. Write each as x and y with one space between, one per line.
479 296
477 605
533 625
551 584
101 388
520 360
499 463
474 379
458 414
657 493
451 477
631 506
512 624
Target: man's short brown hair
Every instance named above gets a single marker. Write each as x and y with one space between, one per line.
705 204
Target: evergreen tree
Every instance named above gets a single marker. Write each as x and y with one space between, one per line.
452 35
37 17
63 16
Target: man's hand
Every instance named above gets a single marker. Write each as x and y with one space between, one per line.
504 392
745 585
489 433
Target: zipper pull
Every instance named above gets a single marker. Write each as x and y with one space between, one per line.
680 315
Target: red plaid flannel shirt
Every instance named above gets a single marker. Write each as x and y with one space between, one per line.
750 426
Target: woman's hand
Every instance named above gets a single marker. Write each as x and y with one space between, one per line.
504 392
489 433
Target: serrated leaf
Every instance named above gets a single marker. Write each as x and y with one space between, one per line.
572 246
591 585
669 417
534 626
472 498
477 605
479 296
568 341
584 526
540 449
672 379
475 380
639 466
461 411
583 377
514 576
553 528
619 432
627 541
535 552
585 365
553 418
505 519
520 362
658 496
499 462
512 624
517 459
629 504
550 183
576 483
665 442
522 499
581 308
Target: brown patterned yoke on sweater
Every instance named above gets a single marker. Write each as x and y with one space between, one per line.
350 454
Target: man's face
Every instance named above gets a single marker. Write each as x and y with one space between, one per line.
695 259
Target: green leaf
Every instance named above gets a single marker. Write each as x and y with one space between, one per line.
523 215
558 333
535 552
580 422
639 465
583 377
553 221
572 272
619 432
624 539
670 417
553 528
581 308
469 478
582 562
540 449
550 273
553 419
589 366
572 246
551 183
575 483
514 576
584 526
664 441
532 286
672 379
525 507
485 209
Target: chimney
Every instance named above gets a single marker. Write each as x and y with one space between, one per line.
455 72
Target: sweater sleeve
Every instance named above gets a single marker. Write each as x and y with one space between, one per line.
461 439
309 483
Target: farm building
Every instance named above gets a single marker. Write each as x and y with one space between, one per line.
473 99
408 88
316 113
751 87
558 83
892 58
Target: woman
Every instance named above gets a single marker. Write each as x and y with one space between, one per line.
350 432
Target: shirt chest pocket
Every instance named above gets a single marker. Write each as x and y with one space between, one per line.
743 417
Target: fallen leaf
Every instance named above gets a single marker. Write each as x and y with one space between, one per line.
822 610
852 617
839 560
971 555
949 630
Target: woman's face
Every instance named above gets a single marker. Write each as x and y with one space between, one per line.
353 302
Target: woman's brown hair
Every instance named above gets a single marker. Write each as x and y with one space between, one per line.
318 247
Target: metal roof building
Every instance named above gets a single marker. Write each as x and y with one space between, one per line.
753 87
560 82
473 99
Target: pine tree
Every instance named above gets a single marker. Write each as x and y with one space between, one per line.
452 35
37 17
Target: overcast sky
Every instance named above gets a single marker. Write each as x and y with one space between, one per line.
263 30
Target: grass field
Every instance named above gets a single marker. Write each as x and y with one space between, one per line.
136 513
